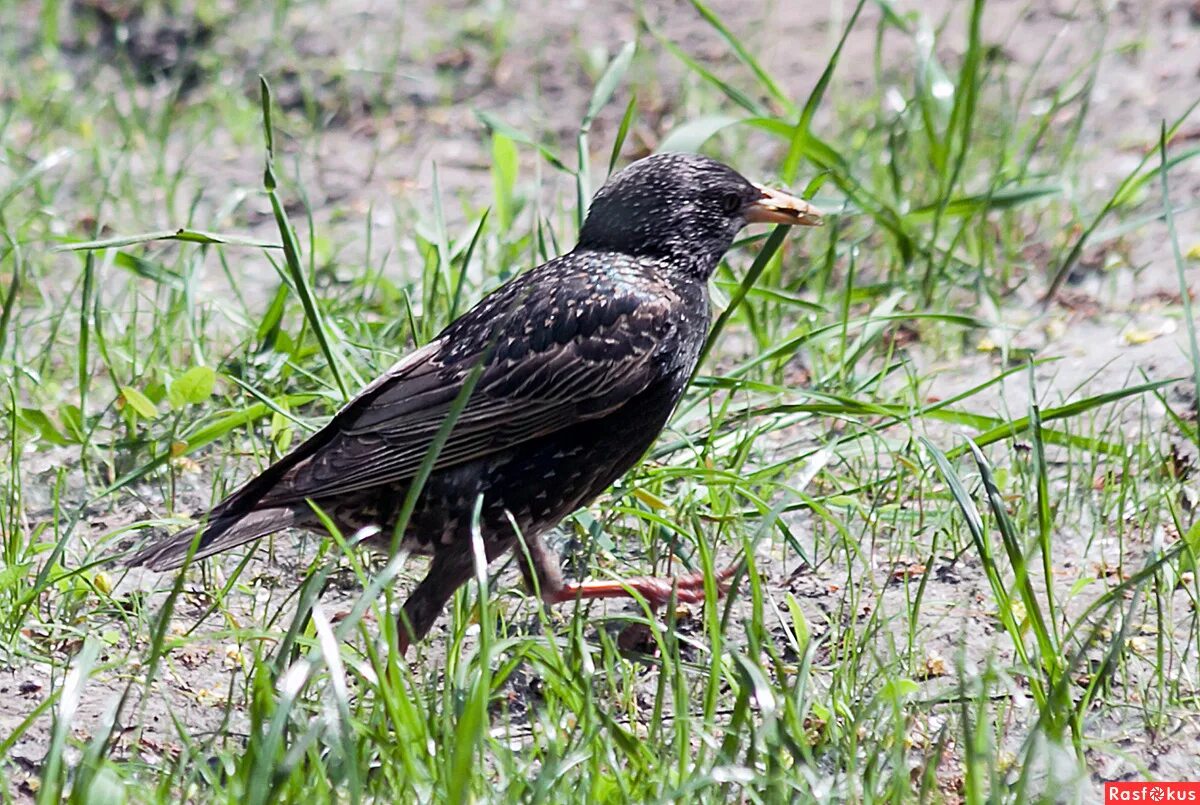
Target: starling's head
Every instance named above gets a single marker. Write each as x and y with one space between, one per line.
685 208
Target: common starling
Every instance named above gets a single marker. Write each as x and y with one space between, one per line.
576 364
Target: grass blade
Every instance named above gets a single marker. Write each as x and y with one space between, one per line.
291 251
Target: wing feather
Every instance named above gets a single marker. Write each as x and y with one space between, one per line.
383 436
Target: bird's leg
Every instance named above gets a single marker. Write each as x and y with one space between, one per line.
448 571
657 590
539 566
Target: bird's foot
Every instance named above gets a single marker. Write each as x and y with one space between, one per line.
657 590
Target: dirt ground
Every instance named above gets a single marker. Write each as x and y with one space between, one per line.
1109 326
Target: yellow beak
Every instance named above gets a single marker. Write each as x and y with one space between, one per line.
776 207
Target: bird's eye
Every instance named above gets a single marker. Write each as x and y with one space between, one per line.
731 202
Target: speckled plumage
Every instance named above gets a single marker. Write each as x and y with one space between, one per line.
583 359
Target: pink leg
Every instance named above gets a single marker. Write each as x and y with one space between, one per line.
687 589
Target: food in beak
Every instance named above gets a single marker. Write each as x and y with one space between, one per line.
776 207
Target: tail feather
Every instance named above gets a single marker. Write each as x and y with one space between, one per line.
219 534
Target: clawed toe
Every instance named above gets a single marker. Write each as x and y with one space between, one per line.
658 591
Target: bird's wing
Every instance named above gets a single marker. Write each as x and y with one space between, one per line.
546 367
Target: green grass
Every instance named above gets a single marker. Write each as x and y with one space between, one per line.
970 571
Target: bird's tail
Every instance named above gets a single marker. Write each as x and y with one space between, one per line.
222 532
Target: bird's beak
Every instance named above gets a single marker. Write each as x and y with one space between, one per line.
775 207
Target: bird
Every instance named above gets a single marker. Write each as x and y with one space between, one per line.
552 387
